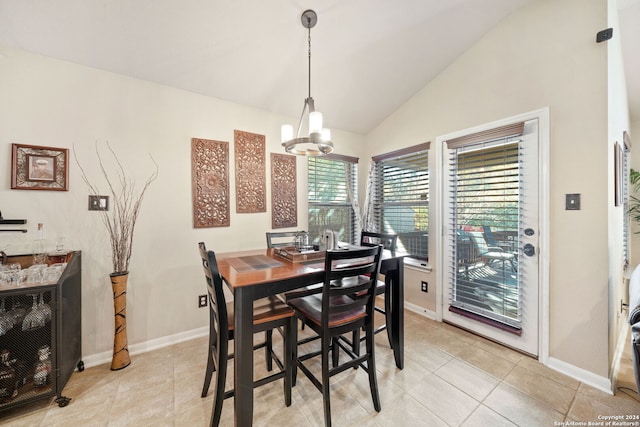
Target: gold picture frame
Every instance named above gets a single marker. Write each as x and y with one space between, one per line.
39 168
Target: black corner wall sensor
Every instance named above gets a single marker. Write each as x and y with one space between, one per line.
604 35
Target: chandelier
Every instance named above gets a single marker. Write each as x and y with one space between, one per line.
318 142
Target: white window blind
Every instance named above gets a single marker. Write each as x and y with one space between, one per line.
485 204
401 198
330 206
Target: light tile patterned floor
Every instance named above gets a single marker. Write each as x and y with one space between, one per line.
451 378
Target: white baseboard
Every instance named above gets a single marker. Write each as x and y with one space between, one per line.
421 311
139 348
589 378
620 347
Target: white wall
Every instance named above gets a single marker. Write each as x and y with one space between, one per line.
540 56
54 103
618 119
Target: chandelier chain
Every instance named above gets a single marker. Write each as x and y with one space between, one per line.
309 52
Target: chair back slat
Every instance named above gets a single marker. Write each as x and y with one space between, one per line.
350 280
387 240
219 319
277 239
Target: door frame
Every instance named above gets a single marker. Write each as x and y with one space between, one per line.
542 115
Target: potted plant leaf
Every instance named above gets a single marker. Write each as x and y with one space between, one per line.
634 200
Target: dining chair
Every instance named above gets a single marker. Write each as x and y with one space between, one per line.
268 313
344 305
388 241
278 239
274 242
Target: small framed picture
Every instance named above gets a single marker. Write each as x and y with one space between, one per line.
39 168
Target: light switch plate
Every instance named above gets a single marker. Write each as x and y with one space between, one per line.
98 203
572 202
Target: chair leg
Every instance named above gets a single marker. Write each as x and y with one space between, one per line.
210 366
335 352
355 342
287 347
268 349
294 351
207 376
387 307
371 365
325 381
220 381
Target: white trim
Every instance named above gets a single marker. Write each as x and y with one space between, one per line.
543 240
421 311
620 348
436 227
155 344
542 115
417 264
582 375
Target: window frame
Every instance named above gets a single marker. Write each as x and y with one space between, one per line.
416 242
345 199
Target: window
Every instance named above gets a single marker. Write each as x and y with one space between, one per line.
400 195
331 179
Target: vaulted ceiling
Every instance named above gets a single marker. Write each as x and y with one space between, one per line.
368 56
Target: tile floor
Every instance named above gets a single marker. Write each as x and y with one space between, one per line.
451 378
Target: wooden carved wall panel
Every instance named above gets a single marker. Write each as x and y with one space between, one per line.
251 176
284 201
210 183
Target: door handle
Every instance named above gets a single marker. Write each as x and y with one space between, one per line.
529 249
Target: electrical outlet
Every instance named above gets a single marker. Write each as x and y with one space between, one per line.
202 301
424 286
98 203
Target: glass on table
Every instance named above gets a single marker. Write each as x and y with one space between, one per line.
52 273
11 275
34 274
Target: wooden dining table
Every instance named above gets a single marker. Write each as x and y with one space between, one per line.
255 274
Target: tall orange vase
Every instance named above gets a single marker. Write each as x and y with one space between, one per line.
121 357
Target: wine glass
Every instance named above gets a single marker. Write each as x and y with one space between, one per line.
39 253
17 312
33 319
6 321
44 309
60 241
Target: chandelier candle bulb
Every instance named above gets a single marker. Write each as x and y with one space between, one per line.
286 132
315 122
